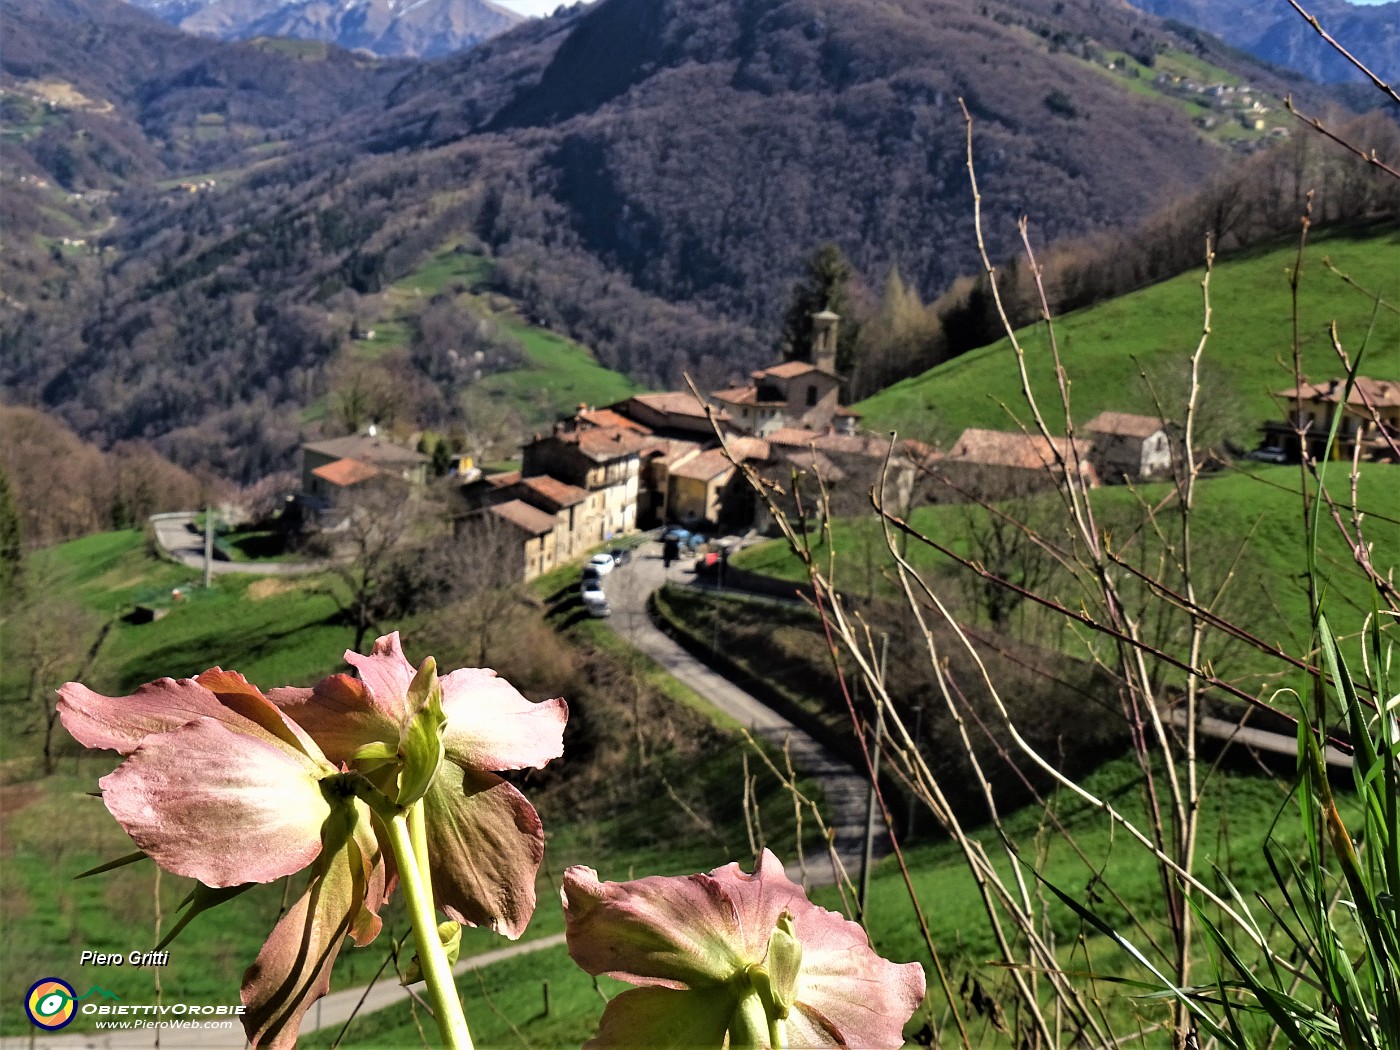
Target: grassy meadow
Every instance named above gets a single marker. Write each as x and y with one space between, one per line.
1106 347
1248 526
602 810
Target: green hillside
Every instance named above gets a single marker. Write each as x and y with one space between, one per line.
1254 515
555 373
1154 331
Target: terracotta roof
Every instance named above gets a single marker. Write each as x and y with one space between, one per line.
1378 391
742 448
674 450
996 448
739 395
520 514
791 369
606 417
607 443
705 467
817 464
346 472
560 493
1124 424
673 403
840 444
377 449
501 481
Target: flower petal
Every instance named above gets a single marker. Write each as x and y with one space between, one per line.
857 993
388 674
665 1019
759 899
293 969
491 726
221 806
486 842
237 694
341 714
673 932
120 723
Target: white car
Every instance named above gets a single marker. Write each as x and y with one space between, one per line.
594 600
604 563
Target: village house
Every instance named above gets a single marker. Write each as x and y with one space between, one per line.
331 468
994 464
535 548
603 461
1129 447
1370 418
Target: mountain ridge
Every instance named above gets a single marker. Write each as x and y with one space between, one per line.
388 28
1278 34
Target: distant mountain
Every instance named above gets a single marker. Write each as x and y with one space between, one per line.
417 28
1278 34
648 176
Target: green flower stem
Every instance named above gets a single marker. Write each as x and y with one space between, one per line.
777 1033
418 835
432 958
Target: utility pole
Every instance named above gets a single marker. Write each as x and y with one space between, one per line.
867 857
208 546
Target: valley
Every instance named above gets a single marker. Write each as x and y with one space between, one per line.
685 360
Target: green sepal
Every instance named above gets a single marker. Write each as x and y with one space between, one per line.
450 933
420 745
781 964
369 757
111 865
201 899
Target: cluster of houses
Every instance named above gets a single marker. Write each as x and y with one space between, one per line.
680 457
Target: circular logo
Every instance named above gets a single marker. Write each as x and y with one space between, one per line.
50 1003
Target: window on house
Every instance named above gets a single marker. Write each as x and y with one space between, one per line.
811 395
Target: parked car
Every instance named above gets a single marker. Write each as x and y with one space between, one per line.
594 600
1269 455
621 555
590 572
675 532
603 563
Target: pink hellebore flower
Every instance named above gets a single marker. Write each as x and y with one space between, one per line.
728 959
484 837
221 787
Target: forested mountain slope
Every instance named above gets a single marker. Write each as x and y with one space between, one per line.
649 177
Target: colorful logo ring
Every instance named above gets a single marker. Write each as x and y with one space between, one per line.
51 1003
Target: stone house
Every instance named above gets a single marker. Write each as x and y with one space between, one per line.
603 461
1130 447
995 464
334 467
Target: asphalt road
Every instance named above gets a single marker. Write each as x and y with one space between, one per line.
175 537
846 792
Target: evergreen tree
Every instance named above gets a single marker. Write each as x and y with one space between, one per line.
823 288
11 547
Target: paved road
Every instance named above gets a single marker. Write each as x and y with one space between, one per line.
175 537
845 791
332 1011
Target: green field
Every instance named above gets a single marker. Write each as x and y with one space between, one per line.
287 631
1105 347
558 373
1247 523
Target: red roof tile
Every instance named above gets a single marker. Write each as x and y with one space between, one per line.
1124 424
520 514
705 467
997 448
346 472
560 493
